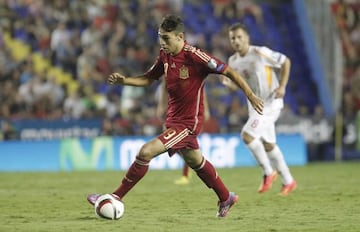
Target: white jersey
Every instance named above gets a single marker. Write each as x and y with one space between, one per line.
260 68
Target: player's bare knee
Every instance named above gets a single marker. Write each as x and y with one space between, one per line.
246 138
193 161
146 153
268 146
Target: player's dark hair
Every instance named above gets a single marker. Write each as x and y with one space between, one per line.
236 26
172 23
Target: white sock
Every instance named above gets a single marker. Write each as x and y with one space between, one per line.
258 151
277 159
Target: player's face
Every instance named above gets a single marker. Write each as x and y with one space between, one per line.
239 41
171 42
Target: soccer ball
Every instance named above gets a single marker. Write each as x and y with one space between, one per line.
108 207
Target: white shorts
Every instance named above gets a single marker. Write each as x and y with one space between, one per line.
262 126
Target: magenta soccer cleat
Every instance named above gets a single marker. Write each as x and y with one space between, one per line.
225 206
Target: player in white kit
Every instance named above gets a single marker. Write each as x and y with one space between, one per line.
267 73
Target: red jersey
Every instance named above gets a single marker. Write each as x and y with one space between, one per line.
185 74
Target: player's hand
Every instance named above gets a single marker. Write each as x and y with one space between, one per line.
257 103
279 92
116 78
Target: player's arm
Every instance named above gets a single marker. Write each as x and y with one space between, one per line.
154 73
234 76
119 79
229 83
206 108
284 78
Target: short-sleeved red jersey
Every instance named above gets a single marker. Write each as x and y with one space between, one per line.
185 74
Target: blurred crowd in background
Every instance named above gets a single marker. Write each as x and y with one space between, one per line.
347 16
90 39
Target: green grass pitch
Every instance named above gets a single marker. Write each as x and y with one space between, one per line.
327 199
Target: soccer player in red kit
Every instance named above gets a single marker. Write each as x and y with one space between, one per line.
184 68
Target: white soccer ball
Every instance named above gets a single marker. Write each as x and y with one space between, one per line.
108 207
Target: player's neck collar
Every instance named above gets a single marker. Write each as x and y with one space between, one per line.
245 53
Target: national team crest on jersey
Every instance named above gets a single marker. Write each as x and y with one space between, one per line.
184 72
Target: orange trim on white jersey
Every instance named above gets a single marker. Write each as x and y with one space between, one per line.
269 76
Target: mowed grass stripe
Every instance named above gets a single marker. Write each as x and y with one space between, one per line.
327 199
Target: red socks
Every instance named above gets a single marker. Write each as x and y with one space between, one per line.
185 171
136 171
209 176
205 171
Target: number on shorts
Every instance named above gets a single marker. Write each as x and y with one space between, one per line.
255 123
169 133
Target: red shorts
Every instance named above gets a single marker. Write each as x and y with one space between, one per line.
178 137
